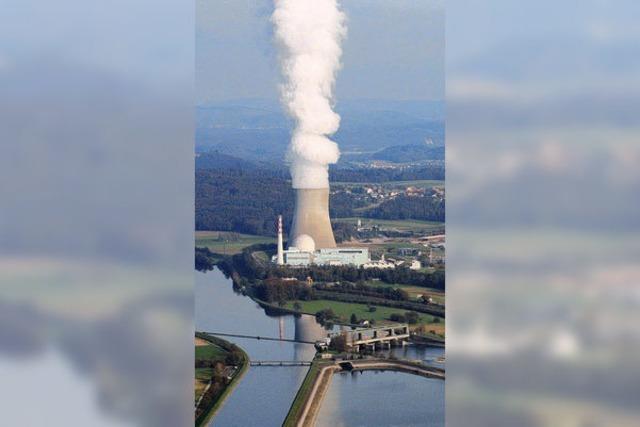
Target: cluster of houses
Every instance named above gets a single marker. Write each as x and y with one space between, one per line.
381 193
390 263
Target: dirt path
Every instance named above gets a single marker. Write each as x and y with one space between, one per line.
312 405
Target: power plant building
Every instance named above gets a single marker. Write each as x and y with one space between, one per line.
302 252
326 256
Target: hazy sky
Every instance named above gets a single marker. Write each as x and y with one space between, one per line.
394 50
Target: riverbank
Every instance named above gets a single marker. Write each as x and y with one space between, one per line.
255 393
379 302
242 367
379 314
306 405
429 339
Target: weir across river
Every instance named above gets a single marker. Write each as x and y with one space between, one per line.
377 337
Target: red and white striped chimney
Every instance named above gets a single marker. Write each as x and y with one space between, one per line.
280 245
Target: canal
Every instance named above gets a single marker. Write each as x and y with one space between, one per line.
264 394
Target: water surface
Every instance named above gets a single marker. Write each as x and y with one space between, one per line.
382 399
264 395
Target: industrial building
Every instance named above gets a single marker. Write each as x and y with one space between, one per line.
303 252
326 256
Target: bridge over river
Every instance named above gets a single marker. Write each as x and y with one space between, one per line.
256 337
280 363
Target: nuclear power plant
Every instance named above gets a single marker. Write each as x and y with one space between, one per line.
310 60
311 217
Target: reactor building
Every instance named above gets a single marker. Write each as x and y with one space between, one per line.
303 249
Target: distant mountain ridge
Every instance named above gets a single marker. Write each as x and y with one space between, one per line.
410 153
259 130
221 161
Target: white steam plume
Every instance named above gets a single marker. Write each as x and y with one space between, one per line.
310 33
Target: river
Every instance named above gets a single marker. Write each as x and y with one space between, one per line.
264 395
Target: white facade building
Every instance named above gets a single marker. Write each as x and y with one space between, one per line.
303 252
326 256
382 263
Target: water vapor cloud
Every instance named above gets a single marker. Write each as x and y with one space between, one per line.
310 34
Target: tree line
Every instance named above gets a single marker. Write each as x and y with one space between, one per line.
247 266
278 290
386 292
427 171
249 201
361 299
405 207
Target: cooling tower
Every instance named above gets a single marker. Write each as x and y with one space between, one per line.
311 217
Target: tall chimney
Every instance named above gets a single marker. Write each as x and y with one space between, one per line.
280 248
311 217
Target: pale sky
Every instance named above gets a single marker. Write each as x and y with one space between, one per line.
394 50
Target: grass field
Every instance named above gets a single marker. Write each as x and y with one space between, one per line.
210 351
204 373
205 351
345 309
413 291
228 243
213 348
391 248
202 378
402 225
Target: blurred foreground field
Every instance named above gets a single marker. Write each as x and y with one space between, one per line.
228 243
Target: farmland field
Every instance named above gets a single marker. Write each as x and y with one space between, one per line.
228 243
400 224
210 351
413 291
344 310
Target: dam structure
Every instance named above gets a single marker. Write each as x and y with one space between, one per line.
377 337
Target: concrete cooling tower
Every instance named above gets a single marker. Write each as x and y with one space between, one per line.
311 217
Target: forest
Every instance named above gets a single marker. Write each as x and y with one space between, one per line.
434 170
249 201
